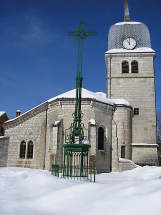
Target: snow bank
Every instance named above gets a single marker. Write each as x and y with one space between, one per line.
36 192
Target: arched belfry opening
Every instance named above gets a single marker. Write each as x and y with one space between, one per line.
134 66
125 67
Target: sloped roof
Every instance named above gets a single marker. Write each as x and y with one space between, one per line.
98 96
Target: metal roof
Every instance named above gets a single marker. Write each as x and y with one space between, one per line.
136 30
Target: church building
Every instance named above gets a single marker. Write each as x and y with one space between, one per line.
120 125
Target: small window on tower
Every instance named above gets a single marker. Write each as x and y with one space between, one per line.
134 66
136 111
125 67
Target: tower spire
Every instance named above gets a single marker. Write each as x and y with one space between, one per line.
127 15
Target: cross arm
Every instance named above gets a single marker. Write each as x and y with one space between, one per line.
72 33
91 33
88 33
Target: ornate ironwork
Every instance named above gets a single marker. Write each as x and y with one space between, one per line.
73 172
76 127
76 148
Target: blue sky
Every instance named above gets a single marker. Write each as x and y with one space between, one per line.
38 60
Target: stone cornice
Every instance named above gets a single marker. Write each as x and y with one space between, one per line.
131 54
73 99
145 76
44 107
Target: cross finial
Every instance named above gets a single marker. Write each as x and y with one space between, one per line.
127 15
81 34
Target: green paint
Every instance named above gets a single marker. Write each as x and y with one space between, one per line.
77 151
79 34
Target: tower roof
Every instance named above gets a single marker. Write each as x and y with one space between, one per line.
128 29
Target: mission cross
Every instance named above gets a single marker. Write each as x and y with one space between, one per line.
79 34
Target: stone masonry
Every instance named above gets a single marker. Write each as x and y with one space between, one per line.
139 90
3 151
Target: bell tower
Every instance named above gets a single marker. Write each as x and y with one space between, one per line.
130 75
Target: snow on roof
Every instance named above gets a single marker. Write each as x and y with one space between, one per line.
27 112
128 23
99 96
144 144
142 49
2 113
56 122
92 121
120 102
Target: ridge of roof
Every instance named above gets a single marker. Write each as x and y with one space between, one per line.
86 94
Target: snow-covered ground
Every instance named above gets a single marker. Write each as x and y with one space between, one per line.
37 192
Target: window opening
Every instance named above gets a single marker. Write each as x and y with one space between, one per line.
2 130
22 149
30 150
134 67
125 67
100 138
122 151
136 111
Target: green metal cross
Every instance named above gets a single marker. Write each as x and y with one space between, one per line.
80 34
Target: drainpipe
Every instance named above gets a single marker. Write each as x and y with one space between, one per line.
113 111
45 138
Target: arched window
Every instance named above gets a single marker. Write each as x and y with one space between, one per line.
125 67
134 66
30 150
22 149
100 138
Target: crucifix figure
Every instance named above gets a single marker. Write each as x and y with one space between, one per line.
79 34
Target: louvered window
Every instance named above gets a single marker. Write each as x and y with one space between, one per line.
125 67
134 67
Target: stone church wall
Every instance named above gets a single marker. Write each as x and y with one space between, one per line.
103 114
121 135
32 128
145 154
136 88
125 164
61 111
3 150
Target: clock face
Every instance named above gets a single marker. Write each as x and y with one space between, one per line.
129 43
